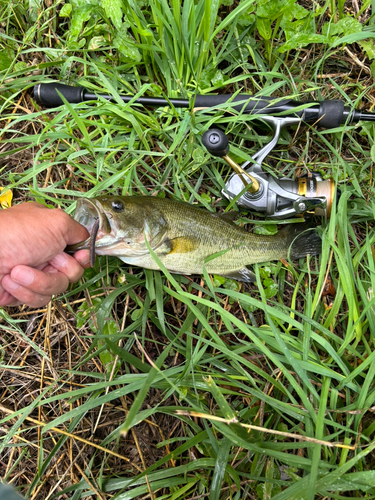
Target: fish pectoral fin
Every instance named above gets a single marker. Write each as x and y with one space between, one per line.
243 274
181 244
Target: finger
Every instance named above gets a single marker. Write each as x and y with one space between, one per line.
44 283
68 265
83 258
22 295
73 232
7 300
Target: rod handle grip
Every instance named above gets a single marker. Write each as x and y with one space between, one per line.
46 94
248 104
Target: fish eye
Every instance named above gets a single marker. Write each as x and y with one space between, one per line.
117 206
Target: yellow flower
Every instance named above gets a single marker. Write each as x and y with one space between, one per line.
6 198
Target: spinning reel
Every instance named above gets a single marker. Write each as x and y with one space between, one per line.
259 191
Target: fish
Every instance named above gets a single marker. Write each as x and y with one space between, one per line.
185 238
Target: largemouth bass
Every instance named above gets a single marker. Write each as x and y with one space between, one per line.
183 236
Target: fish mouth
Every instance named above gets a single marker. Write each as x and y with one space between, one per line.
88 213
91 215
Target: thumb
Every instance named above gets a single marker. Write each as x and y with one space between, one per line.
73 232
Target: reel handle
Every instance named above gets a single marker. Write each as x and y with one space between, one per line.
216 142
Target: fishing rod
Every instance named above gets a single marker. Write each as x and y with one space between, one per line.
327 113
250 185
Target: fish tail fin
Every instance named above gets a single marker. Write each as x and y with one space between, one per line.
304 240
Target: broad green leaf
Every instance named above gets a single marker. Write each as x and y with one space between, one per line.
113 9
296 11
291 28
264 27
265 272
124 43
271 9
211 75
346 26
198 155
96 42
218 280
301 40
80 16
271 288
247 17
6 59
66 10
369 47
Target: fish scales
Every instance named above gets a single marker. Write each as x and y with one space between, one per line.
184 237
213 234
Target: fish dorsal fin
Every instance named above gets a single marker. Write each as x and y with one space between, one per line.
228 217
243 274
182 244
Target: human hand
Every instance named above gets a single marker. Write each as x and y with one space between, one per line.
33 264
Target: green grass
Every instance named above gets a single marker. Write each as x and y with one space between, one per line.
174 376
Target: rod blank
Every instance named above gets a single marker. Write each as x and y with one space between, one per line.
327 114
